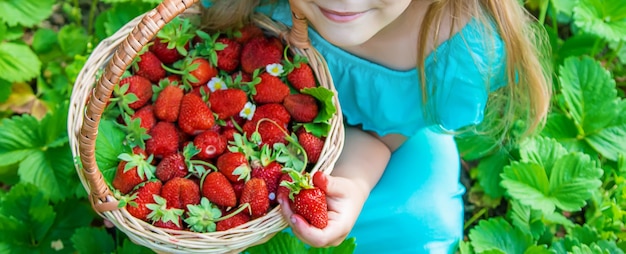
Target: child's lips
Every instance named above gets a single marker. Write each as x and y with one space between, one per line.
341 17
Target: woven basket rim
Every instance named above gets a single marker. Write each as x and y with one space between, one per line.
252 233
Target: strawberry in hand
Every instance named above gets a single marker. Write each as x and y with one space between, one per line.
307 200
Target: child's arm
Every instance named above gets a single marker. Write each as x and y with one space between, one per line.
357 171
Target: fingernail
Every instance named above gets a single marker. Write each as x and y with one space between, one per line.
293 220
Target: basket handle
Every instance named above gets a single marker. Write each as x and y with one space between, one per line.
128 49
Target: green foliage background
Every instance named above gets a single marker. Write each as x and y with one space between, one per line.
563 191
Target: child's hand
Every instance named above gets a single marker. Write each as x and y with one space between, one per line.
345 200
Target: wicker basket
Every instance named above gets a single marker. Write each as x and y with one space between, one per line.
90 96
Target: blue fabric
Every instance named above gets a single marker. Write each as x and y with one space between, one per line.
417 205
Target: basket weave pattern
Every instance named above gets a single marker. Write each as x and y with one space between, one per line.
90 97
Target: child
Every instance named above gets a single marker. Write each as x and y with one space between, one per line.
409 74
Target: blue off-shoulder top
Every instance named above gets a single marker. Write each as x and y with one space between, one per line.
460 72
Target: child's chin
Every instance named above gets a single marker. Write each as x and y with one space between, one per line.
346 38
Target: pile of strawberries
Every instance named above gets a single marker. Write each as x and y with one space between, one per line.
220 124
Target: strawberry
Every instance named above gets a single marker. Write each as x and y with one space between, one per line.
231 222
167 104
164 140
312 144
302 107
173 40
282 190
164 216
247 32
195 115
146 116
228 58
271 174
271 132
210 143
234 166
273 111
201 74
171 166
141 87
132 170
229 134
227 102
300 75
260 51
218 189
270 90
255 193
307 200
143 196
149 66
180 192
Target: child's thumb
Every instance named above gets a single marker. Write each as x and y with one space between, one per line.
325 182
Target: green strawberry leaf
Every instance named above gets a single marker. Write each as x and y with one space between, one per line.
497 234
26 216
574 179
606 18
108 148
282 242
116 17
346 247
72 40
541 150
325 97
41 150
44 40
93 240
528 183
527 220
25 12
538 250
18 62
489 170
5 90
591 100
71 214
128 247
318 129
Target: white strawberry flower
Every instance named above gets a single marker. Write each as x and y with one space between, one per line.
274 69
216 83
248 111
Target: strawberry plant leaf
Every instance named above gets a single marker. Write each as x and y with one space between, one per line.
129 247
44 40
318 129
111 20
489 169
606 18
18 62
72 38
591 99
93 240
497 234
528 183
71 214
26 216
325 97
574 179
282 242
527 220
110 136
473 147
538 250
563 129
5 90
346 247
541 150
25 12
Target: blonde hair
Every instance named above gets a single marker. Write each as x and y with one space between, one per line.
527 97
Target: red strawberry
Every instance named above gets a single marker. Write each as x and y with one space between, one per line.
245 77
312 145
132 170
171 166
270 90
301 77
308 200
149 66
234 221
228 102
165 54
273 111
201 74
139 86
271 174
167 104
180 192
229 134
248 32
172 41
210 143
217 189
164 216
255 193
144 195
282 191
228 58
195 115
258 52
164 140
302 107
271 132
146 116
234 166
238 187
